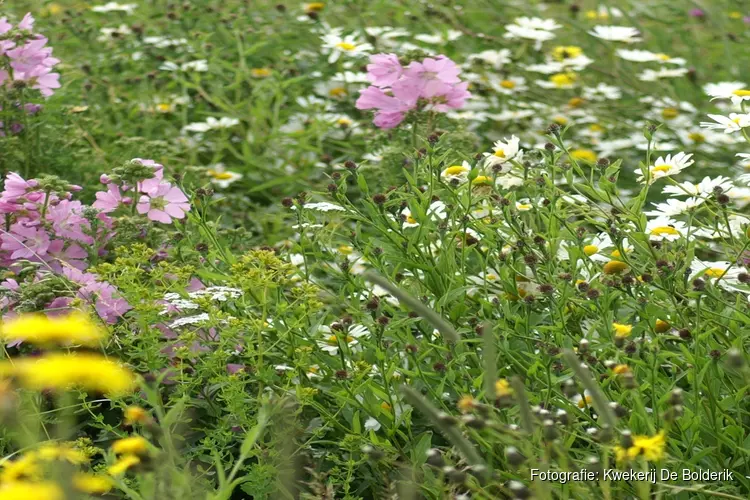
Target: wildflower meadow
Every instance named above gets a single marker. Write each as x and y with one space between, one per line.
361 250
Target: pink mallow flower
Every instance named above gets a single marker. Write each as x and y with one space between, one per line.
384 70
108 201
162 202
25 242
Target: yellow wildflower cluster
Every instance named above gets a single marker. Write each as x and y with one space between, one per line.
44 330
651 448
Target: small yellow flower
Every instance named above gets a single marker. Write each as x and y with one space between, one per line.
135 415
482 180
576 102
561 53
93 484
63 452
585 401
314 7
614 267
25 468
622 330
260 72
74 328
670 113
123 464
28 491
735 15
662 326
651 448
621 369
503 388
563 79
60 372
133 445
466 403
584 154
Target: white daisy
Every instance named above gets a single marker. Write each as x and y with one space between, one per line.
648 56
221 176
323 206
665 166
650 75
510 85
602 92
211 123
665 228
128 8
674 207
733 123
334 340
503 151
702 189
336 45
436 212
456 174
736 91
524 205
624 34
722 273
495 58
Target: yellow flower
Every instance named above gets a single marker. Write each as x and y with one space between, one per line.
620 369
576 102
584 154
585 401
614 267
135 415
58 371
622 330
482 180
64 452
133 445
466 403
662 326
24 468
503 388
75 328
260 72
314 7
735 14
561 53
563 79
93 484
651 448
29 491
123 464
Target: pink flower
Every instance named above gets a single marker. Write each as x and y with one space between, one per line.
387 120
108 201
27 23
163 202
434 73
25 242
455 98
67 221
384 69
42 79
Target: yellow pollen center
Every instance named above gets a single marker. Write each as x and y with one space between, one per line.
163 107
663 57
716 272
334 340
524 206
491 277
670 113
220 176
615 253
590 250
337 92
456 170
661 168
563 79
499 153
662 230
346 46
697 137
742 93
345 249
410 219
508 84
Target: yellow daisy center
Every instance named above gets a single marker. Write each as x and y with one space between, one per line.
345 249
456 170
663 57
508 84
670 113
742 93
661 168
595 127
163 107
333 340
499 153
622 330
662 230
563 79
220 176
697 137
410 219
590 250
576 102
337 92
715 272
346 46
482 180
